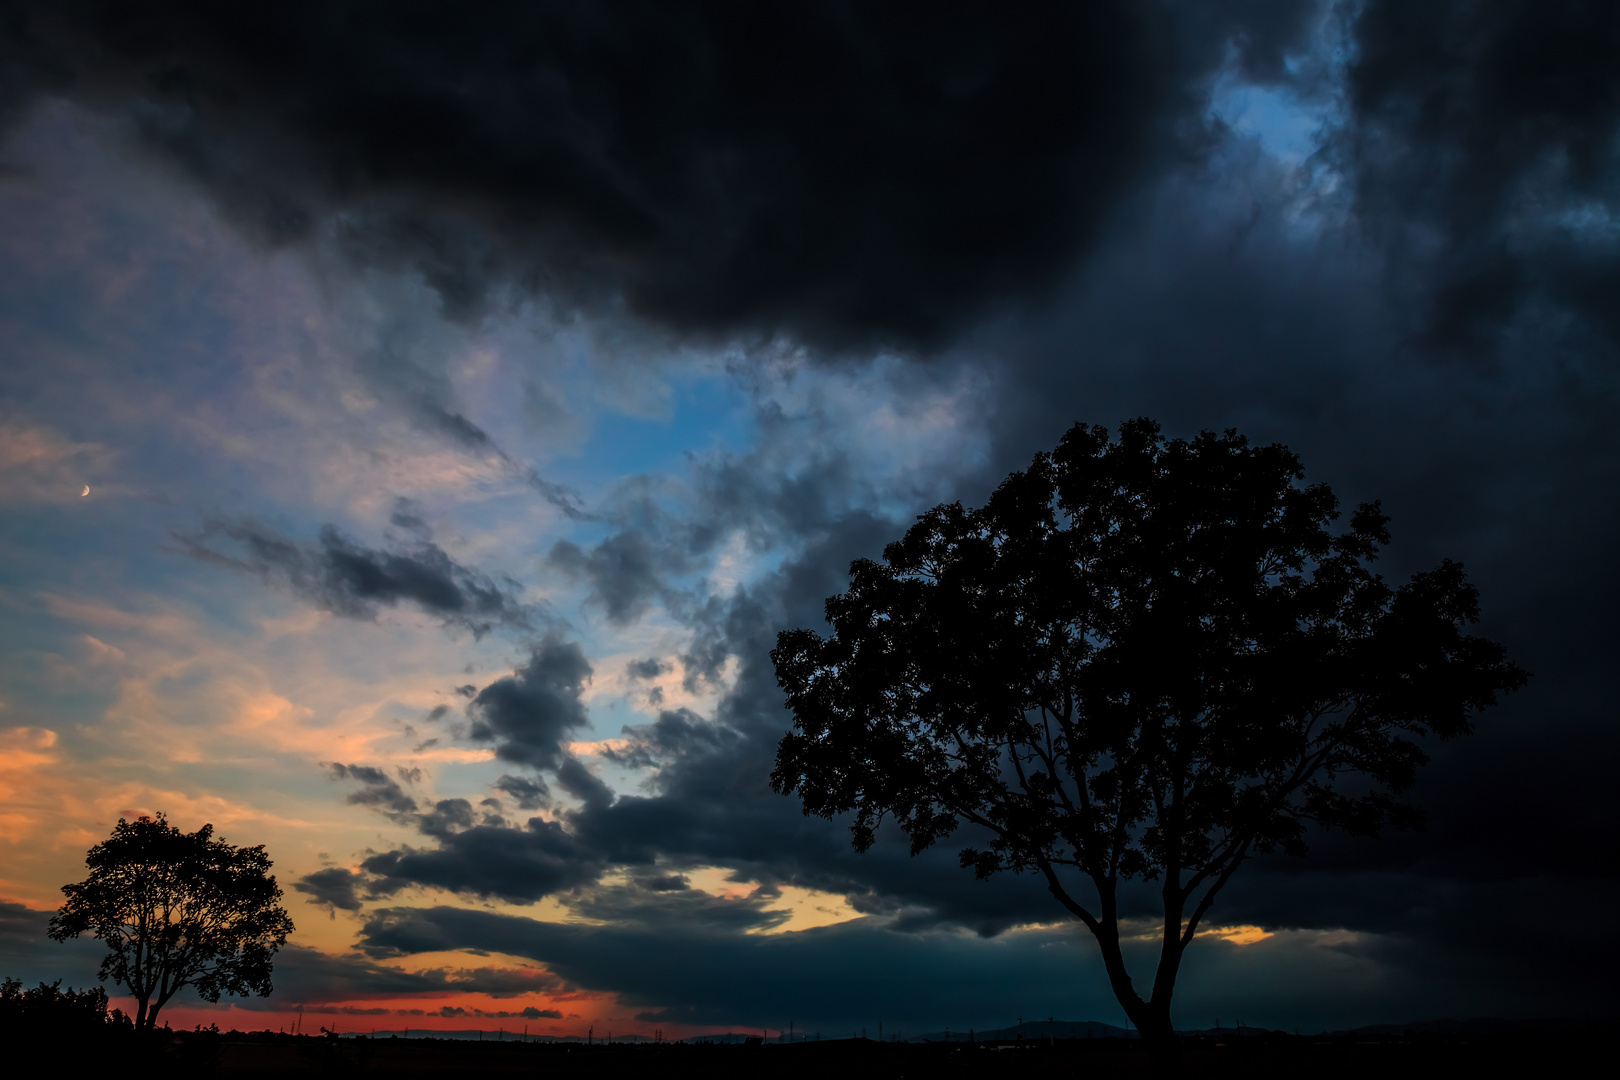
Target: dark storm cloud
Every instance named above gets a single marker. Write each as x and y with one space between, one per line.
836 172
838 977
713 973
517 865
28 955
626 571
710 802
792 486
531 793
378 790
450 1012
650 668
1484 151
531 715
1424 343
561 496
448 816
676 733
352 580
660 902
333 886
305 975
414 380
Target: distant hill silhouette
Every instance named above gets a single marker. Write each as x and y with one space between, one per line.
508 1034
1030 1029
1488 1025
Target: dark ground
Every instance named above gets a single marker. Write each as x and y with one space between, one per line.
1274 1055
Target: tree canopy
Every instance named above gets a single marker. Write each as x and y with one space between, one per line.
177 909
1141 658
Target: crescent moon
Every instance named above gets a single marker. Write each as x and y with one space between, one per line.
85 492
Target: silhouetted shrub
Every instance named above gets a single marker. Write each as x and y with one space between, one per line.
48 1011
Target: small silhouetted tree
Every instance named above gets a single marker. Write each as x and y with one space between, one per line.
1145 659
49 1012
177 909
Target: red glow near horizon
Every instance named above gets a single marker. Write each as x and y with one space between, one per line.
584 1016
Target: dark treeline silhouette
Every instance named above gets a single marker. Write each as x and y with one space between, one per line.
1254 1054
49 1009
76 1024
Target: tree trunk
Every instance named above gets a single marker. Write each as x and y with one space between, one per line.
1164 1049
1152 1017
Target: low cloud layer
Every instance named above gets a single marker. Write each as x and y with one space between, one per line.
355 581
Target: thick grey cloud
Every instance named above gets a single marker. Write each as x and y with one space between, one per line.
378 790
1484 153
676 733
837 173
333 886
531 715
851 975
708 973
519 865
309 976
625 571
650 668
531 793
28 955
355 581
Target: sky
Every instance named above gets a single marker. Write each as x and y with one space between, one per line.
466 395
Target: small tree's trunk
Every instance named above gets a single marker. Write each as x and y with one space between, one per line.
143 1016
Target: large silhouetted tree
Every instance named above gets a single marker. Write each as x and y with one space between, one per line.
1142 658
177 909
